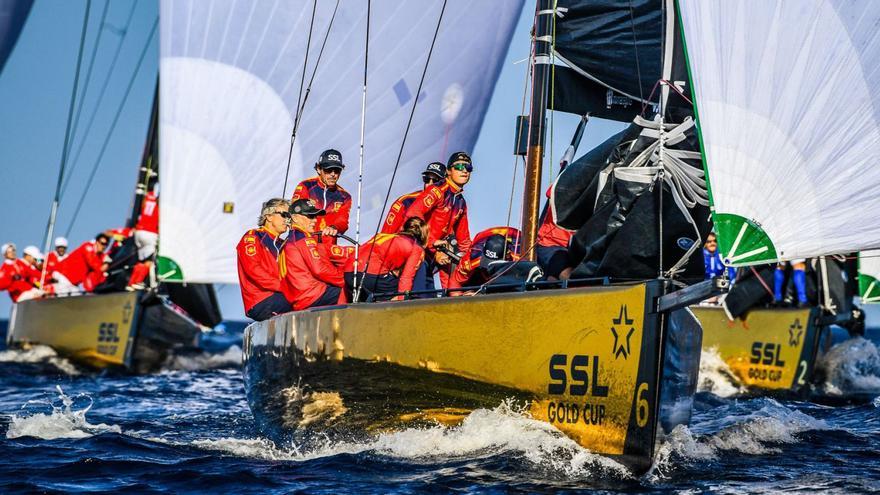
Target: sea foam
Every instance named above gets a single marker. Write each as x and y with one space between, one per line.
65 421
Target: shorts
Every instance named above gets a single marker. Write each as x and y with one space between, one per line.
146 244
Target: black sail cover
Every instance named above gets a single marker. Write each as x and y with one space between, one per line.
615 197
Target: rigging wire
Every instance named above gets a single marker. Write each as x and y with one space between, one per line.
522 111
357 235
82 141
112 126
632 25
406 132
302 81
50 227
301 108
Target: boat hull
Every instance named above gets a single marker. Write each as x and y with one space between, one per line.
125 330
767 350
588 361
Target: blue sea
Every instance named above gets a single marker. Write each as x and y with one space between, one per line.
188 429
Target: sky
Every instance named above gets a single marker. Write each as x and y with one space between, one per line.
35 90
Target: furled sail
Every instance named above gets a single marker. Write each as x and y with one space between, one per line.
13 13
229 82
787 94
869 276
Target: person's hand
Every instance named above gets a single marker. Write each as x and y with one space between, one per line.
566 273
331 231
441 259
441 243
105 267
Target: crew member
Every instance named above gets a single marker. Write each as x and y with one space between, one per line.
551 248
444 209
84 265
327 195
146 236
391 261
312 279
498 244
57 256
20 276
712 259
434 174
798 276
261 267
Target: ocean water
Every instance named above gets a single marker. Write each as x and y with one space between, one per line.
188 429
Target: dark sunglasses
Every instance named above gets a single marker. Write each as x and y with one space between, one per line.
284 214
461 167
430 179
337 171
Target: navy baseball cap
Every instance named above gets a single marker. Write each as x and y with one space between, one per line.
435 168
458 157
495 249
305 207
331 159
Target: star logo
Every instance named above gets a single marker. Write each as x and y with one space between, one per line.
795 331
618 328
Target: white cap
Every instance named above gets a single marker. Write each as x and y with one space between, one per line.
33 251
5 247
60 242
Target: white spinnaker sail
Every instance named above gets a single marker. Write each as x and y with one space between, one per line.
788 99
229 80
869 276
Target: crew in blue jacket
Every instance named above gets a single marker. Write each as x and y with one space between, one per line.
712 259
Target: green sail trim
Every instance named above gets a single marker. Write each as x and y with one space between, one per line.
168 270
743 241
869 289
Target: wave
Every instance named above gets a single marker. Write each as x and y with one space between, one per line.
852 366
39 354
716 376
65 421
230 358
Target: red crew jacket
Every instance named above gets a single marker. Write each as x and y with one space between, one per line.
550 234
17 276
397 214
52 262
444 209
392 253
260 266
336 201
309 269
82 261
149 218
470 262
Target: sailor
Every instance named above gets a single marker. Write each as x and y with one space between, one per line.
55 257
798 276
260 255
499 244
434 174
20 276
552 245
712 259
312 279
146 236
443 207
84 265
391 261
327 195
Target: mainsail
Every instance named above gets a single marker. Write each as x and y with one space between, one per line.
229 83
787 97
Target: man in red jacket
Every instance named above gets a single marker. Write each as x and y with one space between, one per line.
261 263
444 209
20 276
552 245
327 195
146 237
390 261
312 279
54 258
490 245
84 265
434 174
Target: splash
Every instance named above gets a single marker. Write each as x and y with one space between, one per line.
852 366
483 433
230 358
63 422
39 354
756 433
716 377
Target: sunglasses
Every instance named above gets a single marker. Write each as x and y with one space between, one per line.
428 179
336 171
284 214
462 167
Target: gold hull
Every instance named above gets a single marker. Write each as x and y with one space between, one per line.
767 349
587 361
103 331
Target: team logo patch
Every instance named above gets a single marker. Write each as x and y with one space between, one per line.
250 250
390 220
685 243
337 206
395 207
251 239
428 201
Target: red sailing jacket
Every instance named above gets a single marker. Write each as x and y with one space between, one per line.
260 266
444 209
83 260
470 262
392 253
397 214
550 234
149 218
52 262
18 276
309 269
337 203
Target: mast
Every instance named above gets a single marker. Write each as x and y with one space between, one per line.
148 163
535 143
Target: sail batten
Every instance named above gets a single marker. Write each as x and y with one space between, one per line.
786 95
